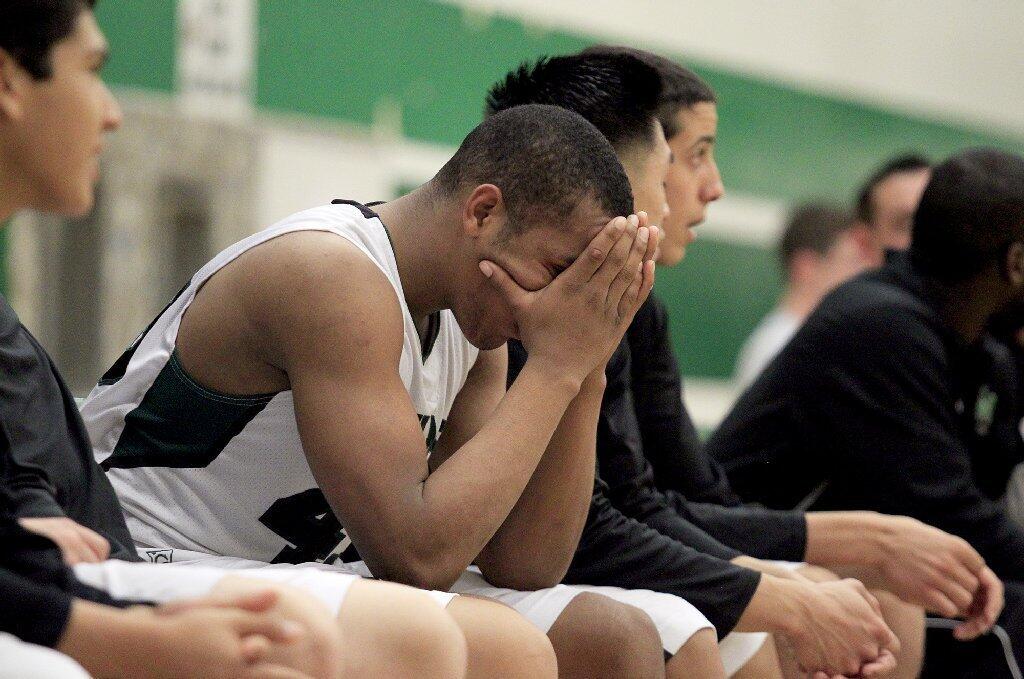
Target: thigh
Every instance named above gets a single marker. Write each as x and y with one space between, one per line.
28 661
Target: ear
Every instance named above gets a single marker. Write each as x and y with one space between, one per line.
13 81
1013 265
483 210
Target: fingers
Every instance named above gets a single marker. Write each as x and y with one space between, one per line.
272 628
631 270
504 283
986 609
937 602
96 543
253 602
588 263
254 648
615 262
881 666
992 586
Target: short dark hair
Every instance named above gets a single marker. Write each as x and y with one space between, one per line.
618 94
812 226
30 29
970 212
907 162
681 88
546 160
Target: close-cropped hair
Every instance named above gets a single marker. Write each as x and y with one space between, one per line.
618 94
546 160
30 28
815 227
681 88
908 162
970 213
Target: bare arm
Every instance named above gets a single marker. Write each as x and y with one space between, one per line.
335 323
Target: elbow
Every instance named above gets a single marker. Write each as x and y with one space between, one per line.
525 575
422 572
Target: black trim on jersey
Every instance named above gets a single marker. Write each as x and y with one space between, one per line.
120 366
434 321
181 424
367 212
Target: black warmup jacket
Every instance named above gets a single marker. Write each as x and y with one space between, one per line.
877 399
51 469
639 537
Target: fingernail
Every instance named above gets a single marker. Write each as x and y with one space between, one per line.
634 220
486 269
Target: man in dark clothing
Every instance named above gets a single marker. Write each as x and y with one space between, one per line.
876 400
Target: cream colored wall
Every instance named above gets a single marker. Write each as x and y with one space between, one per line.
947 58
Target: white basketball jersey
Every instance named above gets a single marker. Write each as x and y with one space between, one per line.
226 475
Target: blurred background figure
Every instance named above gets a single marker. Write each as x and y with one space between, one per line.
888 199
822 247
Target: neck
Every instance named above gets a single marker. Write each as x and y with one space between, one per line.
12 194
800 300
420 228
967 306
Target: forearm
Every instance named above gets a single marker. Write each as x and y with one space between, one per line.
536 543
107 641
459 507
859 540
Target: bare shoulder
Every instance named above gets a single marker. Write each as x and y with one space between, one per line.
315 288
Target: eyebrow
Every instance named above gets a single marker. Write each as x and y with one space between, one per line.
706 139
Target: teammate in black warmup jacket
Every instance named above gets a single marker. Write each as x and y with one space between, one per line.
876 399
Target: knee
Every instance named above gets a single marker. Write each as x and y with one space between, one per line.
501 643
699 657
423 642
611 639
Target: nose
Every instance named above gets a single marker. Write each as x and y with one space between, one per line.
714 189
113 116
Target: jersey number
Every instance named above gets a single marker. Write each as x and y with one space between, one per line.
308 523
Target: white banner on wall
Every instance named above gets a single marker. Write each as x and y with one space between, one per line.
216 57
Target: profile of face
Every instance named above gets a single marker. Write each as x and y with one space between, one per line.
532 256
894 202
647 167
693 180
55 127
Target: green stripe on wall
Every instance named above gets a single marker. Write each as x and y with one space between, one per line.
142 36
719 292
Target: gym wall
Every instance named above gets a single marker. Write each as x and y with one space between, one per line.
358 99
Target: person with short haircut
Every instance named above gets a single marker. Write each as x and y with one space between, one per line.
625 542
888 199
875 400
331 390
56 506
820 248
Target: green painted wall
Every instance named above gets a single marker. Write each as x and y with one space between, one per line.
142 42
350 59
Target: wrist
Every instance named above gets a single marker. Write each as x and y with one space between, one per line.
104 640
845 539
777 607
557 374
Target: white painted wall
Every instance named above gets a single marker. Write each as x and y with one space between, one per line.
957 60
